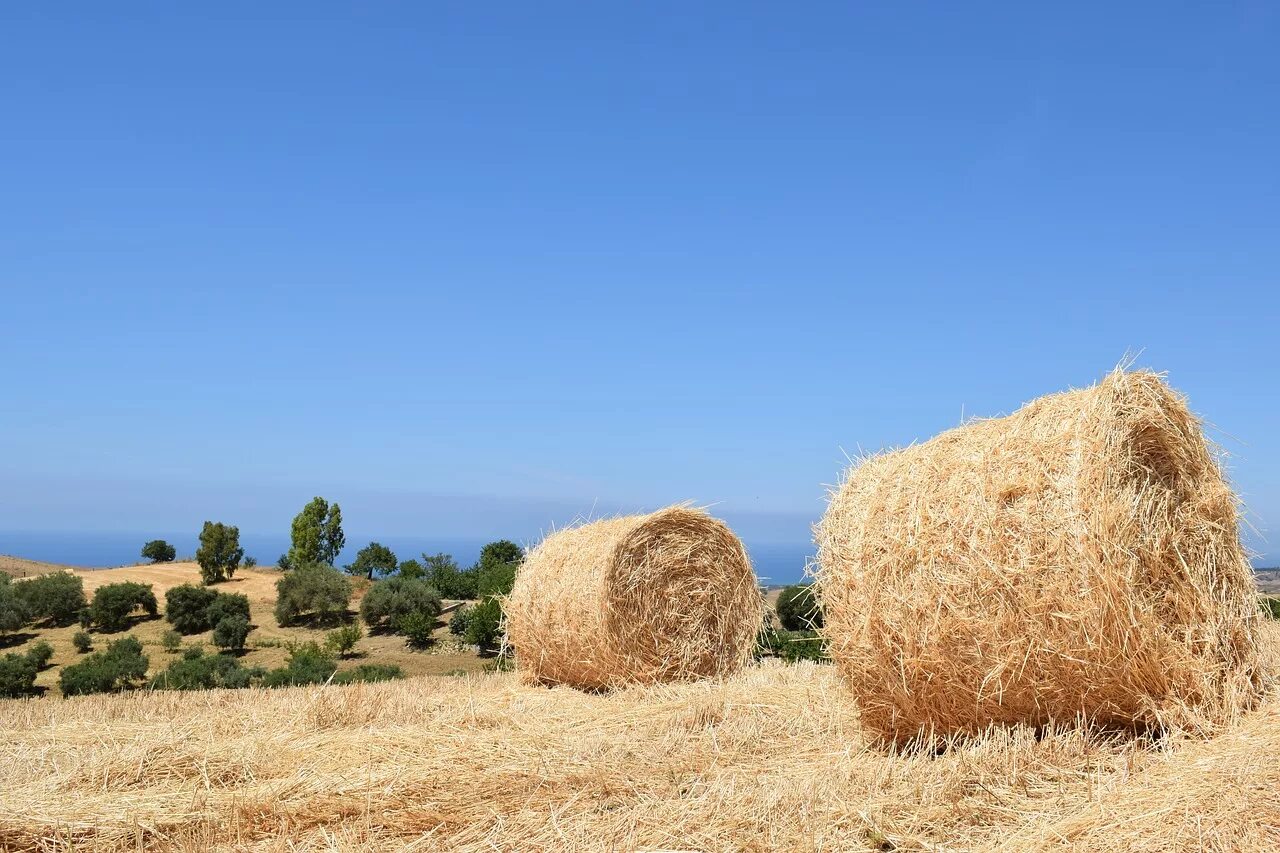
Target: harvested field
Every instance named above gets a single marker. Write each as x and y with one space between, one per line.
773 758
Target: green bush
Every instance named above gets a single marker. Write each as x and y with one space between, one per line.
120 665
228 604
113 603
193 651
13 607
411 569
171 641
231 632
373 558
798 609
792 646
57 597
82 640
496 569
369 672
484 624
205 672
343 641
307 664
458 622
417 628
442 572
315 591
219 553
390 601
187 608
40 653
159 551
249 562
17 676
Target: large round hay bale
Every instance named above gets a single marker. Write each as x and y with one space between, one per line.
1077 558
643 598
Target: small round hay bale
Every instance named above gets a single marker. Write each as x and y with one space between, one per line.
1077 558
662 597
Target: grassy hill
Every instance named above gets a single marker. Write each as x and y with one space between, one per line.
771 759
267 643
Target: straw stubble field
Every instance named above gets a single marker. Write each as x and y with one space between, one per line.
772 758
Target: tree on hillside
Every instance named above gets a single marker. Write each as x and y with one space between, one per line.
497 553
443 573
159 551
374 557
317 534
317 591
57 597
798 609
389 601
114 602
13 608
410 569
220 553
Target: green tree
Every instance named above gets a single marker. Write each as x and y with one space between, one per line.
17 676
389 601
122 664
40 653
374 557
417 628
317 534
410 569
57 597
186 607
231 632
199 671
171 641
495 579
228 604
115 602
498 553
313 591
82 640
14 612
343 641
442 572
159 551
798 608
484 624
219 553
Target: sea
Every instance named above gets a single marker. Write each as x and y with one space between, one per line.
775 563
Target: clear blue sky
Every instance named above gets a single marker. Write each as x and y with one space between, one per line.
474 268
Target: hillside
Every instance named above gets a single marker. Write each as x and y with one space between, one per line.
20 567
267 643
771 759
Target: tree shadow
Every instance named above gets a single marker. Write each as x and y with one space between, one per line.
8 641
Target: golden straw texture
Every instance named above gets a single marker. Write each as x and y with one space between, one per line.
644 598
1077 558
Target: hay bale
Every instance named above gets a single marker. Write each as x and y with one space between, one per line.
1079 557
644 598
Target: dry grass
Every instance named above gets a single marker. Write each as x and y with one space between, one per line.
267 643
773 758
643 598
1079 557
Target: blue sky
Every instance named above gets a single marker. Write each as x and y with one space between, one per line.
476 269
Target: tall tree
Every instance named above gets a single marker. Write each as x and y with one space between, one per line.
374 557
219 553
317 534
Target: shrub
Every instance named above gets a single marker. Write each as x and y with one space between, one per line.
484 623
449 580
374 557
284 564
40 654
82 641
171 641
159 551
318 591
85 618
389 601
496 579
113 603
204 672
307 664
121 665
17 676
228 604
417 629
342 641
798 608
792 646
231 632
57 596
13 607
458 622
369 672
219 553
411 569
187 608
192 651
249 562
